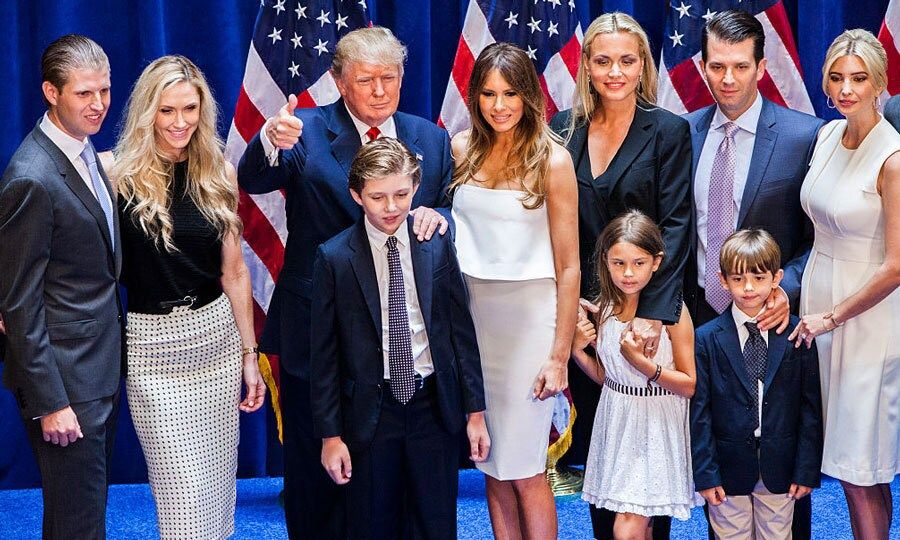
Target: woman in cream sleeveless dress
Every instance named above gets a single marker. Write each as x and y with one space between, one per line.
845 275
515 206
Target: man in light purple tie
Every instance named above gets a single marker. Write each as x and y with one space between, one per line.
750 157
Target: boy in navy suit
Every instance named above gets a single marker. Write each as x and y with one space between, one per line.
395 365
756 415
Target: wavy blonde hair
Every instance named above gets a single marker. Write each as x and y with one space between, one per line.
143 174
586 99
529 158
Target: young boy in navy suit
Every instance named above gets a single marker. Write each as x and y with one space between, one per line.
756 414
394 365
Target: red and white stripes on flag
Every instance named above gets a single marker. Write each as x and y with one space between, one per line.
889 36
682 88
557 78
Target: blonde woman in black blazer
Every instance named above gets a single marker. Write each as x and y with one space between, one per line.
628 154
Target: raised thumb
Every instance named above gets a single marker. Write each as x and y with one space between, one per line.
291 104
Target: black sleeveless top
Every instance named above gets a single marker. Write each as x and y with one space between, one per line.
152 274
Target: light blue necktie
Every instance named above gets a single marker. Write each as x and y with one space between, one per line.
99 190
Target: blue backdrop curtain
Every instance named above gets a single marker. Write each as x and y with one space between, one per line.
215 34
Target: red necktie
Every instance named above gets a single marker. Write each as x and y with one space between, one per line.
373 133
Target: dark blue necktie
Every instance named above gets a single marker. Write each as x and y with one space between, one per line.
400 359
755 352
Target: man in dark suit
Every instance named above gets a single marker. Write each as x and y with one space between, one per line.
316 147
756 413
394 361
892 111
749 157
59 290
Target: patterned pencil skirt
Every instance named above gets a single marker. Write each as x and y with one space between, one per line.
183 385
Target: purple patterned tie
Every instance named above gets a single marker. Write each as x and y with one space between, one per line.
400 358
720 215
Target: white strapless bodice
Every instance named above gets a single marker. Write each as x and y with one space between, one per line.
498 238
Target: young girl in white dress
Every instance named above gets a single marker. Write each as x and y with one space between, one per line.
639 463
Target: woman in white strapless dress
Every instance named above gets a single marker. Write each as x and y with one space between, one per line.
850 300
515 206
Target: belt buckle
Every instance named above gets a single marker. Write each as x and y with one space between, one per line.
186 301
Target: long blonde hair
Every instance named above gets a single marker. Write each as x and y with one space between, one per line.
143 174
586 99
529 158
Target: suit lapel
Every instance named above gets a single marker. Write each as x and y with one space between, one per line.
76 184
364 268
407 134
776 350
638 136
699 133
113 198
423 269
344 137
727 338
759 161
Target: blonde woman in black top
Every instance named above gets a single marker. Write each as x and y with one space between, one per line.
190 331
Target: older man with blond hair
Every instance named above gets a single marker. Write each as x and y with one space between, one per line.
307 153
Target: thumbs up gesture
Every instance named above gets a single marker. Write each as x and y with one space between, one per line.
284 129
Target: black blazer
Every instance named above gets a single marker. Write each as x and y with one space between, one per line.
59 283
313 176
785 140
652 173
723 419
347 363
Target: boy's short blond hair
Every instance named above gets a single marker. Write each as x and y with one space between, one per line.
750 250
383 157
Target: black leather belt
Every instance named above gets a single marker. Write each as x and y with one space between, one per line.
421 382
194 299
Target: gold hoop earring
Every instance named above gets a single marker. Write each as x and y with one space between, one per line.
830 103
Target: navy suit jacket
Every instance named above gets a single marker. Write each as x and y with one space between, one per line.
723 419
892 111
651 173
347 363
313 176
785 140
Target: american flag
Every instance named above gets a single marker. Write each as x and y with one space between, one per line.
889 36
682 88
290 53
548 31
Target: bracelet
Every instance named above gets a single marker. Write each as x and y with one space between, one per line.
655 376
830 317
250 350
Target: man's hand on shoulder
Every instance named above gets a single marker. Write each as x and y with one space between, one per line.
426 221
61 427
284 129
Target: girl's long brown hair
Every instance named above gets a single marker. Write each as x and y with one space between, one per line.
633 227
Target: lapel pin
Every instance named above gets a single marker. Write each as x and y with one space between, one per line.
419 157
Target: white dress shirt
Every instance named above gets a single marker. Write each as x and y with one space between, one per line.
743 335
744 140
388 129
72 149
420 351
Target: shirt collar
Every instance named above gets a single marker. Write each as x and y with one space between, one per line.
746 121
740 317
69 145
378 239
387 128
